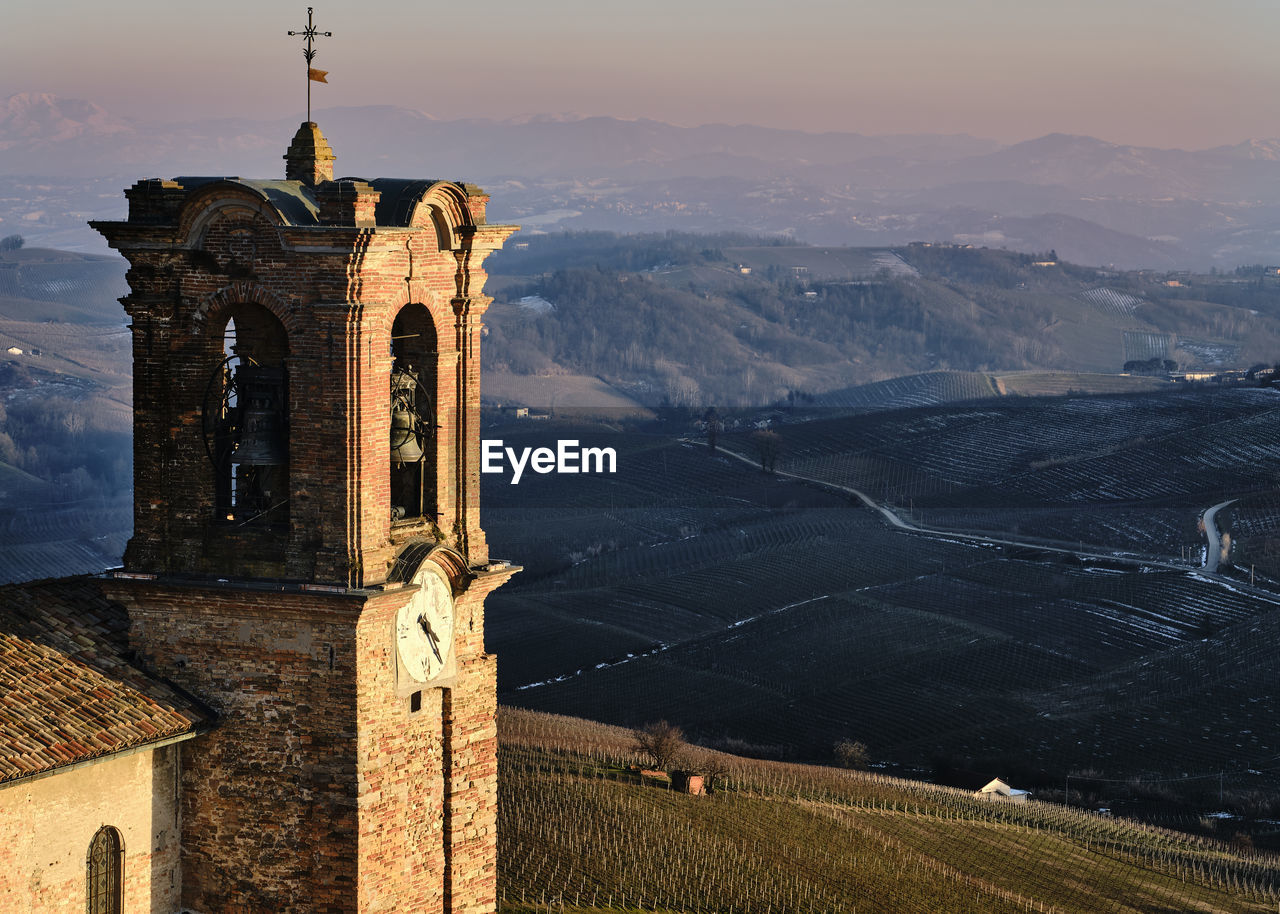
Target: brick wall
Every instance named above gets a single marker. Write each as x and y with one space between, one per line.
321 790
196 256
269 795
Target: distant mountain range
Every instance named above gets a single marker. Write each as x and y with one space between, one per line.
1093 201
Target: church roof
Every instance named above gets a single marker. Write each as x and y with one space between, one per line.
68 693
399 197
293 200
296 201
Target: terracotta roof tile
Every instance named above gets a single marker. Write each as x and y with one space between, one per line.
68 693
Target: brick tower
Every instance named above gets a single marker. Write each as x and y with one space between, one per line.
307 556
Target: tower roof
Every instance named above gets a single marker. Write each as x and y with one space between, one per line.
387 202
309 196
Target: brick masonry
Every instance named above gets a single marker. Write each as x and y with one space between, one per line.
325 787
198 254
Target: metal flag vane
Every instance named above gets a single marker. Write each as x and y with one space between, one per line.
311 33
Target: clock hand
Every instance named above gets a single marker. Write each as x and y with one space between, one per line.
432 639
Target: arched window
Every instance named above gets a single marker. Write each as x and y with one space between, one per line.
246 420
413 415
105 873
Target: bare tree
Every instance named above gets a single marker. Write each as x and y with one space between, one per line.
662 742
715 770
852 755
768 445
712 419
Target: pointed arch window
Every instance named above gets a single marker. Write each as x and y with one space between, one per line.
105 873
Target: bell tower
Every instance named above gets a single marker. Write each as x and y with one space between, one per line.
307 555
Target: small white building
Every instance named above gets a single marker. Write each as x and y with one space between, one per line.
537 304
999 790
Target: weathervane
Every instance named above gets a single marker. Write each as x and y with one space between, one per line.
311 33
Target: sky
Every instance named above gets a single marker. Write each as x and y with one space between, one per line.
1167 73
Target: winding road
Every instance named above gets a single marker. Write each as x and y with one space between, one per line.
1213 554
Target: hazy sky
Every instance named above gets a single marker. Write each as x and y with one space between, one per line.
1153 72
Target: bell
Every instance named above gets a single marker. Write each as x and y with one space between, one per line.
405 446
262 424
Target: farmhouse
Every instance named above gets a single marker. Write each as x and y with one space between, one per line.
282 702
997 789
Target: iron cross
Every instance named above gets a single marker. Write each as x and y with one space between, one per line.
311 33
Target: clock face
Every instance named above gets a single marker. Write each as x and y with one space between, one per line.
424 628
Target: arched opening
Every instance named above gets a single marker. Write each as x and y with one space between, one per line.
413 415
246 426
104 866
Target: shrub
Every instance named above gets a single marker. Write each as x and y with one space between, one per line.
852 755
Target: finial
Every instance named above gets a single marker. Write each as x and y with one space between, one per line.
311 33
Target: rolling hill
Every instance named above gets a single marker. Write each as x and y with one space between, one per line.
581 832
698 321
768 611
66 407
1094 201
